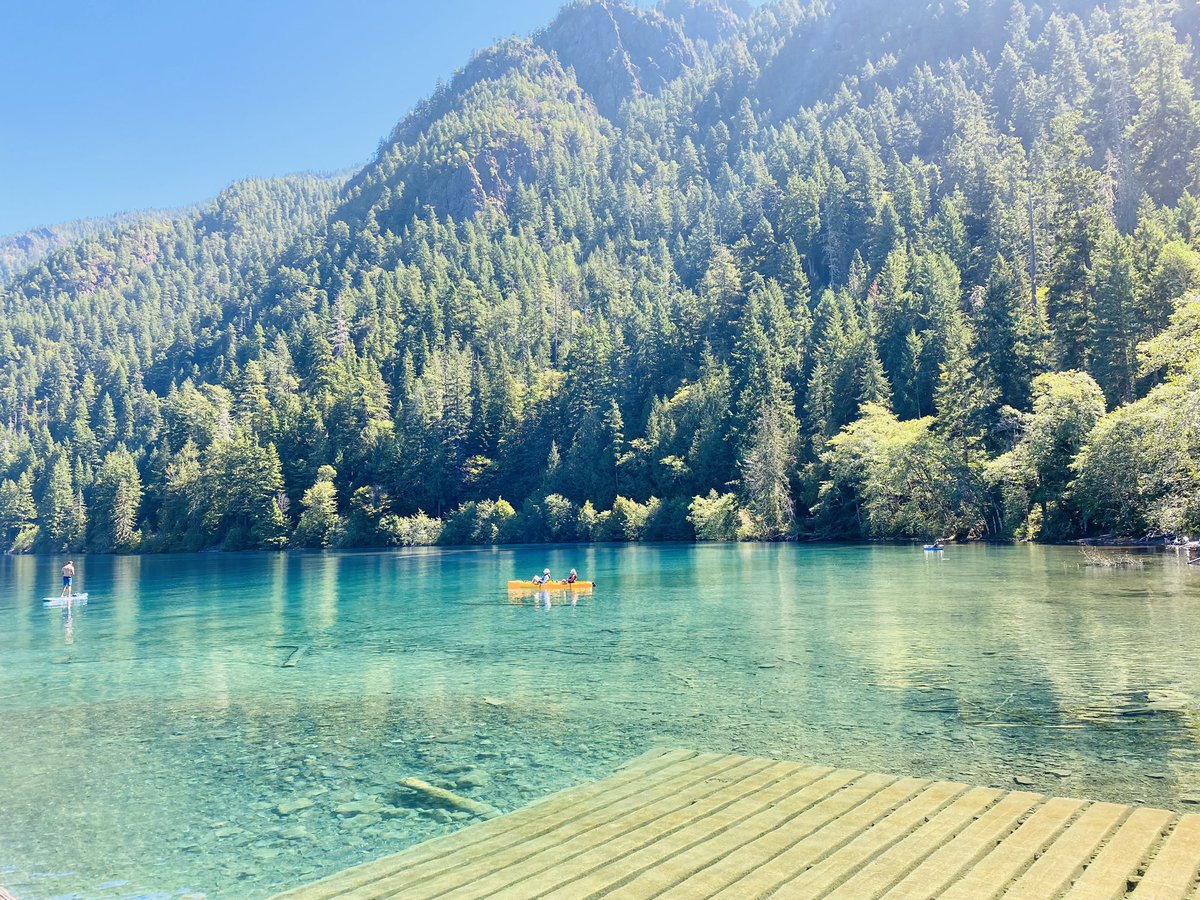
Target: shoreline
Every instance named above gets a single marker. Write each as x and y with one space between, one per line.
1163 542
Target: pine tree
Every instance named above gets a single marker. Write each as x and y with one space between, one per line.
1166 129
106 423
964 396
767 466
116 499
18 515
1007 335
61 515
1113 299
242 482
319 525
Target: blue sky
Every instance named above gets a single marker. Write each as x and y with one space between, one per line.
114 105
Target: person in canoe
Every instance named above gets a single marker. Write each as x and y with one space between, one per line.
544 578
573 577
68 577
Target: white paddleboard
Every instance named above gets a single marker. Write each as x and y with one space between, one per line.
63 601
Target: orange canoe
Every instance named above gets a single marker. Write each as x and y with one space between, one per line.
550 586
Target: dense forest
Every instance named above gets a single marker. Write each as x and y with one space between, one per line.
27 248
820 269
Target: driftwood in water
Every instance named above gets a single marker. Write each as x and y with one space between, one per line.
449 798
294 657
1110 560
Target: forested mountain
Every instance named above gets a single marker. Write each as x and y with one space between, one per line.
27 248
838 268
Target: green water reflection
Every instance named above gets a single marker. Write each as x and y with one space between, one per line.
152 736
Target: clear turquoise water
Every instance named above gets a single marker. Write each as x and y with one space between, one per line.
150 736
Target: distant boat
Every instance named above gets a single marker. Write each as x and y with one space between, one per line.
933 548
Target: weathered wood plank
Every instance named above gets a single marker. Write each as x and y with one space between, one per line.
1172 873
678 824
933 875
626 836
771 873
671 855
1058 866
993 873
483 877
652 870
733 866
882 834
662 842
889 867
1107 876
648 770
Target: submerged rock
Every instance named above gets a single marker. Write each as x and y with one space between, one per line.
358 807
473 778
287 807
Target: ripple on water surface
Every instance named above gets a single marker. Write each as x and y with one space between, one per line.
229 726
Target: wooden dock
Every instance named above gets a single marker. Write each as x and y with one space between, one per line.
682 824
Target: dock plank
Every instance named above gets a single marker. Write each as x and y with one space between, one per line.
646 876
688 849
1060 864
1172 873
654 770
886 869
879 837
993 873
966 848
1107 876
733 866
768 876
624 821
682 824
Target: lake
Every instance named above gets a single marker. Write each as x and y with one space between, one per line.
232 725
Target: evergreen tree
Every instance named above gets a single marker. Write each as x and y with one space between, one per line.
61 514
116 499
242 482
319 525
767 465
1114 280
18 515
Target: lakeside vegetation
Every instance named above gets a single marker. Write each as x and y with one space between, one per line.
835 270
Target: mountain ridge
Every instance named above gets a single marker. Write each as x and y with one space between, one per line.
696 271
